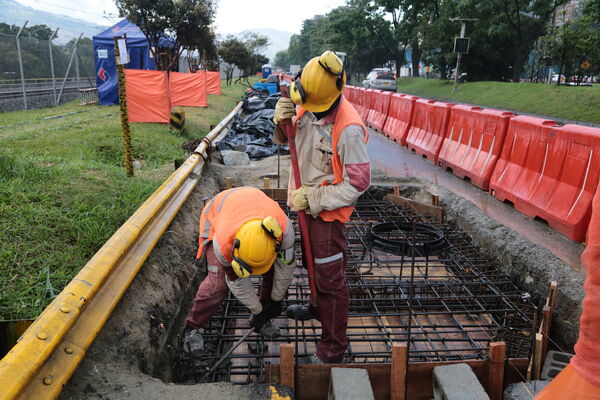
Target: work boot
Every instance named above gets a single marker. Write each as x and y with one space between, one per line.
193 342
300 312
270 331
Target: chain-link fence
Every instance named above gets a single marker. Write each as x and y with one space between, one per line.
37 73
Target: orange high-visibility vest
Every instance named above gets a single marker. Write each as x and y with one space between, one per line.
346 115
225 213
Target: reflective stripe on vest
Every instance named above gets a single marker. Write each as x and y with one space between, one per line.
346 115
228 211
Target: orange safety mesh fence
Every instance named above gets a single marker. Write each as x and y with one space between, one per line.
213 82
188 90
587 349
147 96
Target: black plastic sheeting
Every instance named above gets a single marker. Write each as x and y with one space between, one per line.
254 102
252 134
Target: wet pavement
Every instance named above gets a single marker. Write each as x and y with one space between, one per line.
390 159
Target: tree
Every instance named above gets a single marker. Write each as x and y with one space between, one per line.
526 21
282 59
243 53
185 21
574 47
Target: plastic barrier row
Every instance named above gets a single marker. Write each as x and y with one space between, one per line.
150 94
546 170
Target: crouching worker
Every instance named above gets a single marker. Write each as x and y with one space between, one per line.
242 233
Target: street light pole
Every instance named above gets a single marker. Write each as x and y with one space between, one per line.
463 29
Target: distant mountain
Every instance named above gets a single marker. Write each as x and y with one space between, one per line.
279 40
15 13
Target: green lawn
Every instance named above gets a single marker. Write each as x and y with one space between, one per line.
574 103
63 189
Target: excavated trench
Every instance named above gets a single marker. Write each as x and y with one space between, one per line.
138 352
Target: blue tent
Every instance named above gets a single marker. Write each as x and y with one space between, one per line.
104 57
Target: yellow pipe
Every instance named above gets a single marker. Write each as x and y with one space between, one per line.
47 339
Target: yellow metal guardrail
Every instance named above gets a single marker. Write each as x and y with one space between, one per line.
48 353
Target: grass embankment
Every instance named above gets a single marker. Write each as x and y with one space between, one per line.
63 189
574 103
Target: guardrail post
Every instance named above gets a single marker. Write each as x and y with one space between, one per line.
21 65
52 64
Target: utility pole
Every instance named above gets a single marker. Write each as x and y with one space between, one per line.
461 45
21 65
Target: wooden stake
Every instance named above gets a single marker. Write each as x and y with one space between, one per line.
398 371
435 200
266 183
286 364
228 182
537 360
496 370
396 191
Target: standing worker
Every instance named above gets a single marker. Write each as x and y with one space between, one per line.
243 232
334 168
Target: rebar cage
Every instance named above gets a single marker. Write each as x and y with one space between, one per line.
457 302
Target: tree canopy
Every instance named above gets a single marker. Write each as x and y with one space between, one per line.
395 33
187 22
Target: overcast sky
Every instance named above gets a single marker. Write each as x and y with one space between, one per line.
232 15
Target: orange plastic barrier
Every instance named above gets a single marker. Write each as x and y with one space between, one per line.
379 109
550 172
188 90
428 127
148 97
473 143
213 82
365 97
399 117
350 94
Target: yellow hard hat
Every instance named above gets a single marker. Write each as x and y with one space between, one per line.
319 83
255 247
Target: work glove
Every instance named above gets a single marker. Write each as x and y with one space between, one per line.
273 309
300 198
284 109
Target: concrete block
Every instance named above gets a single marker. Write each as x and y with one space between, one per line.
350 384
457 382
231 158
555 362
524 390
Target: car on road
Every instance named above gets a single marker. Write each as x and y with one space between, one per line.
381 78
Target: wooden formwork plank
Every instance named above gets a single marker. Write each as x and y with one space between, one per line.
313 380
398 371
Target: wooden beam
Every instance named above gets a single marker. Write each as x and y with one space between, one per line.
496 370
276 194
426 209
396 191
398 371
228 182
286 362
435 200
266 183
313 379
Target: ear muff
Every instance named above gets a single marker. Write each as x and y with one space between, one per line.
273 229
238 265
297 93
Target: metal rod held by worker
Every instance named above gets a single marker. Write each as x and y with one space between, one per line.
228 353
288 130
